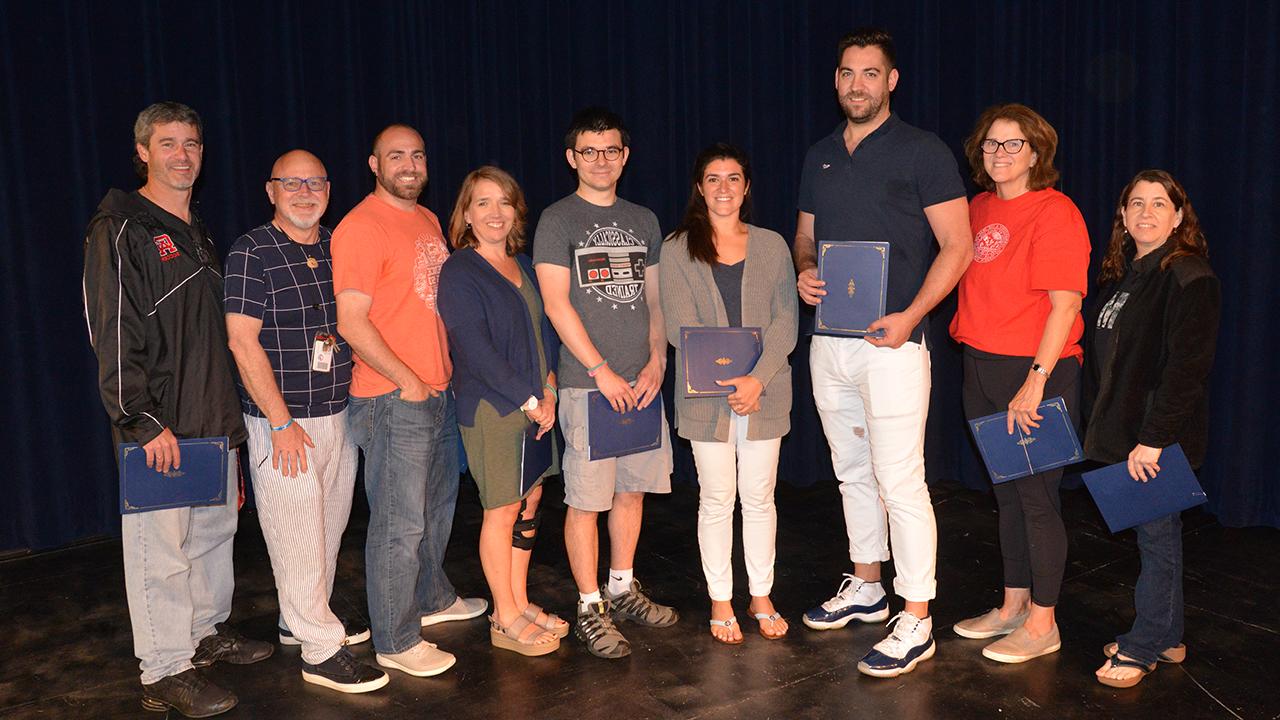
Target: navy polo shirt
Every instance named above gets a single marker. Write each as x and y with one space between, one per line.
270 277
879 193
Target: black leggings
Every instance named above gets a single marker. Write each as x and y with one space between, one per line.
1033 540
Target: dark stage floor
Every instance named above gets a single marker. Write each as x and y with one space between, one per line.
68 654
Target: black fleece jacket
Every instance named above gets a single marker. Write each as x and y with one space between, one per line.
1155 388
153 302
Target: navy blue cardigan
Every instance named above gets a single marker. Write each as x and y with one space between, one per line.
495 353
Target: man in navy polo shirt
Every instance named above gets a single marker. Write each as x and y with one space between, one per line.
295 372
877 178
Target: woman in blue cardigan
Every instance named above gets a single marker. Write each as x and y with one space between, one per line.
504 353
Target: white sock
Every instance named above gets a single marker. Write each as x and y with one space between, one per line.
619 581
585 599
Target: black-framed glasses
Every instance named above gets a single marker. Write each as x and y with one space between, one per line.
294 184
1013 146
590 154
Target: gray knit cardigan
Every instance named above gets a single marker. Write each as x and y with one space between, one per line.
690 299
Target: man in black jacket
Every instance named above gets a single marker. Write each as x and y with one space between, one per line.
153 303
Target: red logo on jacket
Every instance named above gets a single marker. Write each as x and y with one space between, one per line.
166 248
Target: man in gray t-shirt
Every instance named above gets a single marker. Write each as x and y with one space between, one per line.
596 256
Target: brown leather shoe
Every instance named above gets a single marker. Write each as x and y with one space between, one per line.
189 693
228 645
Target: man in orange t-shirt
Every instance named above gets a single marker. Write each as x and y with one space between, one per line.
387 254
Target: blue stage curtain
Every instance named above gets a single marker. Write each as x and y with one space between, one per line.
1189 87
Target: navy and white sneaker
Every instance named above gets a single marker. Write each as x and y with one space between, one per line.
909 643
856 599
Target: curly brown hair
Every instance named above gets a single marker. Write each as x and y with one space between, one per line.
1188 239
460 232
1041 136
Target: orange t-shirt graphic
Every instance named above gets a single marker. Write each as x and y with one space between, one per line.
394 257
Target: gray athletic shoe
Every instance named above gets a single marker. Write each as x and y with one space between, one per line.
594 626
635 606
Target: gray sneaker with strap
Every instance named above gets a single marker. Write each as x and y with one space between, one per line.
594 626
635 606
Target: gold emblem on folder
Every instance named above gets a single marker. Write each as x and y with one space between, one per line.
851 288
1026 441
723 361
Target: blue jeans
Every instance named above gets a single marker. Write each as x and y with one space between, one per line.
411 479
178 578
1158 596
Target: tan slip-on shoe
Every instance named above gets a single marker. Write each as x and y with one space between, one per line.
1018 646
989 625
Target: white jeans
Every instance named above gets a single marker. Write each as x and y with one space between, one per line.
302 520
749 470
873 403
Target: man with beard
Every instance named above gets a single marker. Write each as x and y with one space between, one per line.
153 303
387 254
877 178
294 375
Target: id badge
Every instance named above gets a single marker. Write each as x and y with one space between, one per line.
322 352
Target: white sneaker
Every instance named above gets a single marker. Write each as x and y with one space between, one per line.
461 609
421 660
909 643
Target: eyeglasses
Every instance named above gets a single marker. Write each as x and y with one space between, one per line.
1012 146
590 154
294 184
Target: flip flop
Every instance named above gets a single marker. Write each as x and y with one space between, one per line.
1172 655
725 624
773 618
1129 681
554 624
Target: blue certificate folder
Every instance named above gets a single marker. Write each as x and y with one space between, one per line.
717 353
1008 457
857 275
1125 502
614 434
201 480
535 457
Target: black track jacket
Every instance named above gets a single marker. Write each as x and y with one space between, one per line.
153 302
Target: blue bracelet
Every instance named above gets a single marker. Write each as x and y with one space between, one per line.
282 427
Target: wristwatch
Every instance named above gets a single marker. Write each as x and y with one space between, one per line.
1038 368
530 404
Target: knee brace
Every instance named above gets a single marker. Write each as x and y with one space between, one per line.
519 539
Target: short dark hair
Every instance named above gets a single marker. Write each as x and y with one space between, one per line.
1040 135
595 119
866 37
160 113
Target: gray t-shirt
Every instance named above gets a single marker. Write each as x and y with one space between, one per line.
607 251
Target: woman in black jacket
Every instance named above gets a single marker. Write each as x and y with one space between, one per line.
1150 348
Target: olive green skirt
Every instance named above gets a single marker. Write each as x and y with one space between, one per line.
493 447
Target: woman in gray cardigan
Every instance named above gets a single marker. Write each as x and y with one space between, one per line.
718 271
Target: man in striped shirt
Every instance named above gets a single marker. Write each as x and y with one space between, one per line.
295 372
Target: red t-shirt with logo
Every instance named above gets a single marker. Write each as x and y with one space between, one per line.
1022 249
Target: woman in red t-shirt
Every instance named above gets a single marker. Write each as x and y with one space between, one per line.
1019 321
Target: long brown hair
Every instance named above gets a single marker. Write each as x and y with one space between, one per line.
461 234
1041 138
696 224
1187 238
